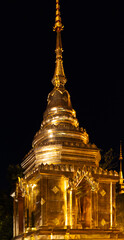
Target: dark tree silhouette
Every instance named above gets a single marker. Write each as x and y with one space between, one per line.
6 203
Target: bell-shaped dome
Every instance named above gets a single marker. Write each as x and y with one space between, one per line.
59 110
59 97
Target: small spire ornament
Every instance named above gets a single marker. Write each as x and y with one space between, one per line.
59 78
58 27
121 158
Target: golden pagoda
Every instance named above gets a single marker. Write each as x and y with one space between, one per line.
64 193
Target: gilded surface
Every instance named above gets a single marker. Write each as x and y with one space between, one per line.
64 193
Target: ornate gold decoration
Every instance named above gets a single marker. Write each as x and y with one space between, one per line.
103 192
56 221
121 180
81 174
32 237
121 158
61 155
103 222
59 78
42 201
59 119
55 189
58 23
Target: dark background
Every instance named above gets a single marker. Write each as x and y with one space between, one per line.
93 43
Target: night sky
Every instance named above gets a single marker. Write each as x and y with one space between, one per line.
93 43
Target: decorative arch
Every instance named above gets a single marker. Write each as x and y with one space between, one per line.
84 173
84 187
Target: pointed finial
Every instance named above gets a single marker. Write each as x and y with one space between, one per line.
59 78
120 158
121 180
58 23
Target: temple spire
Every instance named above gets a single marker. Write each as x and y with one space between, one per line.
121 180
59 78
121 158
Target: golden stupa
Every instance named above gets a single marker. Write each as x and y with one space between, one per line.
64 193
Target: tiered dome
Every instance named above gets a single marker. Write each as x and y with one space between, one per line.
59 125
60 140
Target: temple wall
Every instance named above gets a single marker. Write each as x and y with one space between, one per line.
106 205
52 201
48 201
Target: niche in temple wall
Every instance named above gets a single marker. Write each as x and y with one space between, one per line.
84 204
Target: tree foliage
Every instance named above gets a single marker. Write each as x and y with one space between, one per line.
6 203
14 171
6 218
109 160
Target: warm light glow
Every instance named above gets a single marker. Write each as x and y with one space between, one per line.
67 236
71 208
65 187
50 133
33 186
111 205
64 193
